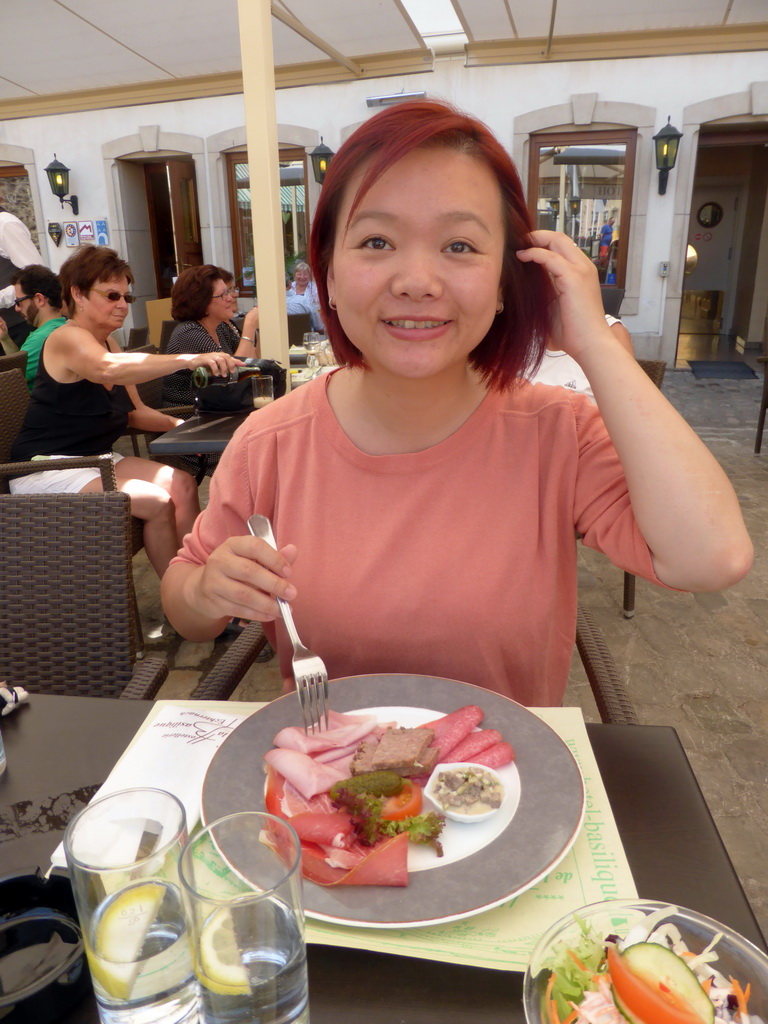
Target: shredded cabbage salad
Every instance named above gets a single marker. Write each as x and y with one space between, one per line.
579 989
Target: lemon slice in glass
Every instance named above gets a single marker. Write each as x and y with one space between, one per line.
221 966
119 936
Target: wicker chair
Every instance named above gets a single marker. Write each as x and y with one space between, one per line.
610 694
67 601
655 369
166 330
609 691
14 398
223 679
138 337
17 361
763 406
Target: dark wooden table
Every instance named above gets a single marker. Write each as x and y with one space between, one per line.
60 748
204 433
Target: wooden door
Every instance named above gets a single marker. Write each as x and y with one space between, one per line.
184 213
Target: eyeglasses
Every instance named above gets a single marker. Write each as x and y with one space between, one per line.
22 298
234 292
115 296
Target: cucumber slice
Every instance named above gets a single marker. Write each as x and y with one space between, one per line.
656 965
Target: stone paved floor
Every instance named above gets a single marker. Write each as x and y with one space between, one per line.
696 662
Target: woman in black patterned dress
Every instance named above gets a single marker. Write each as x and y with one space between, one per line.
204 299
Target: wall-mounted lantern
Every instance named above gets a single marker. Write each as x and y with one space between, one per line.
667 140
58 179
321 157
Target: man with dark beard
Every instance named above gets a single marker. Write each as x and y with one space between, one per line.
38 300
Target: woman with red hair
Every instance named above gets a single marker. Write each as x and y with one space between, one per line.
425 497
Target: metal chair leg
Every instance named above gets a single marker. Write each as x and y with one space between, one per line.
761 417
629 595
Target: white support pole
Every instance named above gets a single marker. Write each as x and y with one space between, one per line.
264 168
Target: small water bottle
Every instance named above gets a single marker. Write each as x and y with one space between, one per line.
3 761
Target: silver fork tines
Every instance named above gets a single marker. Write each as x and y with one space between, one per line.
309 672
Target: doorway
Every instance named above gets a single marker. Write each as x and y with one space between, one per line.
725 294
174 221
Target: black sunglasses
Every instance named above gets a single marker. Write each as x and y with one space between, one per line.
22 298
115 296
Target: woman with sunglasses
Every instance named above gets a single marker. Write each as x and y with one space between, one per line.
204 299
85 396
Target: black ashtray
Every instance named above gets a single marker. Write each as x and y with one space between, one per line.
43 970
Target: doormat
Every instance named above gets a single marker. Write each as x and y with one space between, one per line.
703 368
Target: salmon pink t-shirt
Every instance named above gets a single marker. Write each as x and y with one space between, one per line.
457 561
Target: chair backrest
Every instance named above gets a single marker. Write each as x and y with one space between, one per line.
14 399
655 369
165 334
298 325
151 392
612 299
138 336
66 593
17 361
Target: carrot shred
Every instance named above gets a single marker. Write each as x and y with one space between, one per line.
553 1017
579 964
742 995
571 1017
707 984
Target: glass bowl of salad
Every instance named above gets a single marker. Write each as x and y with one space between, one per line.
644 962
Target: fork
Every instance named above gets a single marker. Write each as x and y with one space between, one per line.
309 672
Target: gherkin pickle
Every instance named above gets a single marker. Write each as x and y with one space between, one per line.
380 783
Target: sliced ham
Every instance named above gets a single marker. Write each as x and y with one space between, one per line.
302 771
472 744
344 731
335 753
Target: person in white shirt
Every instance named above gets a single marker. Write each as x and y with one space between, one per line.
17 250
559 369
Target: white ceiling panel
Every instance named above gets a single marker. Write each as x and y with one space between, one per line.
118 43
748 12
356 28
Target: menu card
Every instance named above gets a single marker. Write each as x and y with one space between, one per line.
595 869
172 751
175 745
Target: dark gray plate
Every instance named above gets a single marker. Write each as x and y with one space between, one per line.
542 831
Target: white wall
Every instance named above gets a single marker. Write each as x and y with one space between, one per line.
498 95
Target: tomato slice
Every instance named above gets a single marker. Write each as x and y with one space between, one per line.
646 1002
404 804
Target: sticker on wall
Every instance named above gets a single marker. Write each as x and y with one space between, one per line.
70 233
102 235
85 230
54 230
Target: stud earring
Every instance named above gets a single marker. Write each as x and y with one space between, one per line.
500 308
332 303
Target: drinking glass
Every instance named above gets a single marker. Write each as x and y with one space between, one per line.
241 880
263 391
123 852
312 344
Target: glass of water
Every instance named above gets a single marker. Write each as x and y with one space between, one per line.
312 345
123 852
241 880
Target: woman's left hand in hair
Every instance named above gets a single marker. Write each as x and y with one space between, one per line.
579 320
